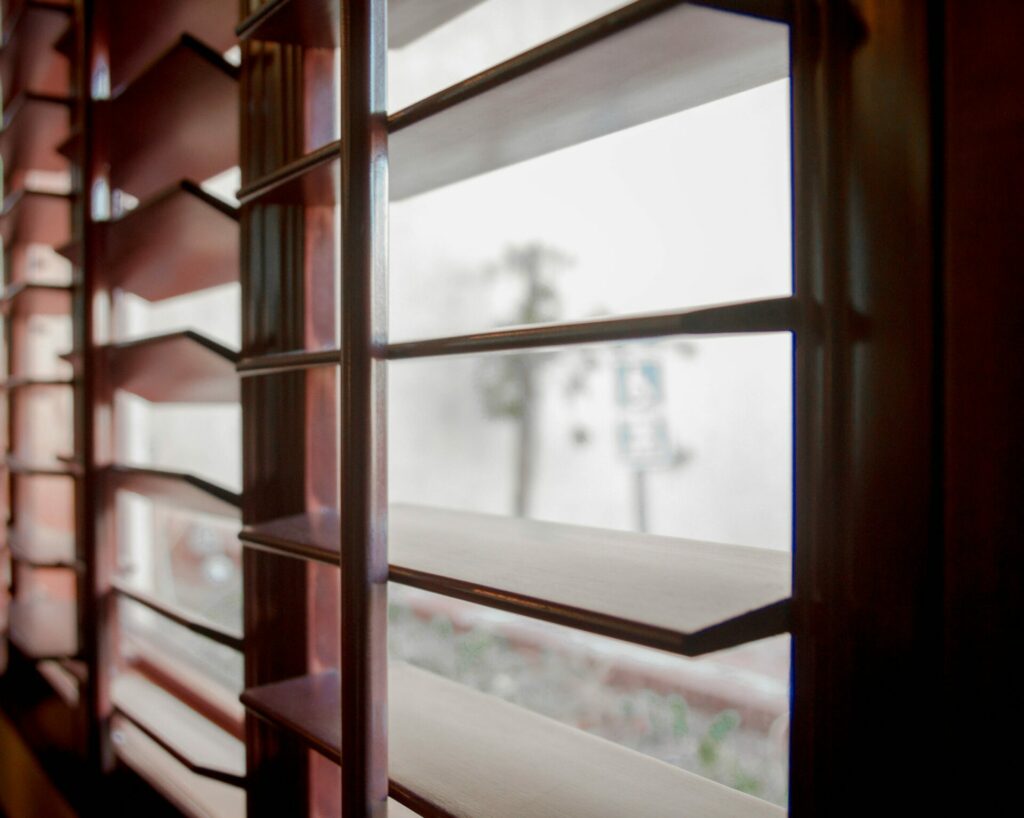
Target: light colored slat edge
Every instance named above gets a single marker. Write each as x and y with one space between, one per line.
193 794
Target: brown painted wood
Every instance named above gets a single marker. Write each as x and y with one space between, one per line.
769 315
191 134
698 597
95 526
173 488
275 468
177 367
16 467
866 604
26 62
983 388
12 384
180 241
566 91
66 42
33 126
362 435
35 217
279 362
461 754
139 32
312 179
24 298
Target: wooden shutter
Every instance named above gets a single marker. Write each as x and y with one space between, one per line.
42 467
444 750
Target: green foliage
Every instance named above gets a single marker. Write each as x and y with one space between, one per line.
745 782
680 715
473 649
719 729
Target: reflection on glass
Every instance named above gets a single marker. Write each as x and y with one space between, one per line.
723 716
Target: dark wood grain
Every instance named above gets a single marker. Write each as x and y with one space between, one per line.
35 217
867 608
362 436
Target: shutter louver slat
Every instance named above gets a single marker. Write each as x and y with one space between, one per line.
463 754
180 241
698 597
192 739
181 367
188 135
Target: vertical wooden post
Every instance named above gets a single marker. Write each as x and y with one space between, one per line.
867 612
363 476
93 421
274 461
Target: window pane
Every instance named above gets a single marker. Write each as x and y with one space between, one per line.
147 635
723 716
200 439
189 560
587 231
682 437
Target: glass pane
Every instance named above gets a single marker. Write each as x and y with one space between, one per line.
148 636
682 437
200 439
191 561
213 312
723 716
587 232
